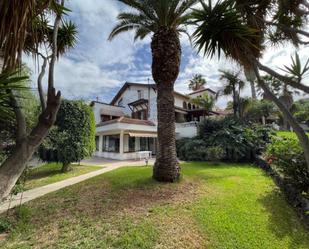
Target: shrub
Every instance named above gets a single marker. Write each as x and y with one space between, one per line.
215 153
192 150
232 141
286 156
73 137
5 224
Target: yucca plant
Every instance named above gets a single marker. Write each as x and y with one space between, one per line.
164 20
9 82
224 28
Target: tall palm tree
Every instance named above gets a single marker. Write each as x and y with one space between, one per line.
233 87
164 20
197 82
232 28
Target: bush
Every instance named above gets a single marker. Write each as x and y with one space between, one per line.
5 225
73 137
239 142
192 150
215 153
286 156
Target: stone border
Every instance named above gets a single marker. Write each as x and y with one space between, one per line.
294 198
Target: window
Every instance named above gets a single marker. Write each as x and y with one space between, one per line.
140 94
120 102
184 105
131 144
97 140
144 144
111 143
189 106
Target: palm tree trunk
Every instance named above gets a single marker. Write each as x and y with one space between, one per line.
166 53
302 136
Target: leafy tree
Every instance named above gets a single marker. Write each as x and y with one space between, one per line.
301 111
73 137
197 82
260 109
247 26
206 102
165 20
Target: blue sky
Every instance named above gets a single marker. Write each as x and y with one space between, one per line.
98 68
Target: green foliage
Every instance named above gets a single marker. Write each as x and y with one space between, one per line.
5 224
192 150
238 141
215 153
258 109
148 16
205 101
301 111
73 137
286 156
296 70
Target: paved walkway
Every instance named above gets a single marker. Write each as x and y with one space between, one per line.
38 192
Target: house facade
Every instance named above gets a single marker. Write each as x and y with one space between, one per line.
127 126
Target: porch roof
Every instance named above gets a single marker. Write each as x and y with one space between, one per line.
125 120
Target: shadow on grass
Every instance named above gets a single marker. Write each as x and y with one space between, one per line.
283 220
37 174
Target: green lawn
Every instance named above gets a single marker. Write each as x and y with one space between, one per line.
51 173
214 206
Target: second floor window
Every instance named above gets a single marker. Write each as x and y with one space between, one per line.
140 94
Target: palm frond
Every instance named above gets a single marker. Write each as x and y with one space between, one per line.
149 15
9 82
219 28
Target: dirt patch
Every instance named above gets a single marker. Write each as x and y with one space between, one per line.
3 236
180 232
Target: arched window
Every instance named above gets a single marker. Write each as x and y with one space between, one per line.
184 105
193 107
189 106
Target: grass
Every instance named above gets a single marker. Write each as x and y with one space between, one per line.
214 206
51 173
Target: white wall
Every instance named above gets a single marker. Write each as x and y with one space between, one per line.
97 107
194 95
131 95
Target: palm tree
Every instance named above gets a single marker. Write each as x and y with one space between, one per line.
231 27
197 82
233 87
165 20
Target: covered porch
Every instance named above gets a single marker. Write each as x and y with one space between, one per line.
126 139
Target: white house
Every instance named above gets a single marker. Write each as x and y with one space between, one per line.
128 124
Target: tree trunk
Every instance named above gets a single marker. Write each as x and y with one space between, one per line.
15 164
302 136
166 53
66 167
253 91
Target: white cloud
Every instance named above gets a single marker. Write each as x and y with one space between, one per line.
97 67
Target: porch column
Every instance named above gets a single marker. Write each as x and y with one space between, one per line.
100 143
121 142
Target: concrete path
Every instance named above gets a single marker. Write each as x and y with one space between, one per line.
38 192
